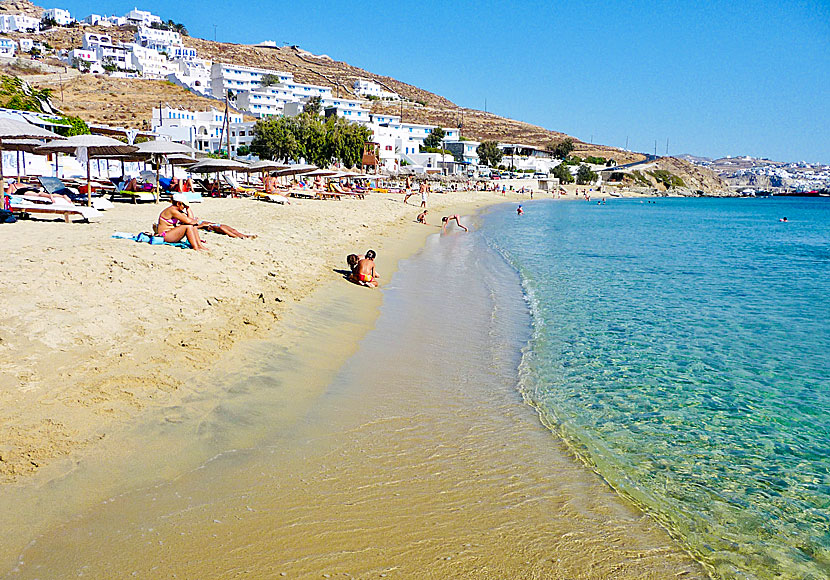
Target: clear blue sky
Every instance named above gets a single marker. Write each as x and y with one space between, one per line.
715 78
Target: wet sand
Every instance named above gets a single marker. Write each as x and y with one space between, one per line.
412 456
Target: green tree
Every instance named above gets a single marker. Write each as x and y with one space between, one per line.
585 175
489 153
435 138
269 80
562 173
561 149
313 107
275 139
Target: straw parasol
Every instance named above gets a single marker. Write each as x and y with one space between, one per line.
181 159
87 147
217 165
158 148
11 130
22 146
266 165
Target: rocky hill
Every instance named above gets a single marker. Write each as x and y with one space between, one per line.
21 7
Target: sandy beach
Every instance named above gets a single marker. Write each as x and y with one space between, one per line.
98 329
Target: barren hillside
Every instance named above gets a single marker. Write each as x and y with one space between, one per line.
119 102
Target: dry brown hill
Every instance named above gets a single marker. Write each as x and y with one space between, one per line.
21 7
120 102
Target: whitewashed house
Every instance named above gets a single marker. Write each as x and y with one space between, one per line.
150 63
18 23
157 39
82 58
138 17
267 101
192 74
59 15
7 47
26 44
367 88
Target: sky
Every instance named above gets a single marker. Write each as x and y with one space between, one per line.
705 78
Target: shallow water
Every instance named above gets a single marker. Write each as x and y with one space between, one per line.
420 460
682 347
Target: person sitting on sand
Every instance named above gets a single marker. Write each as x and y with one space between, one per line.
352 260
214 188
446 219
422 217
175 225
364 273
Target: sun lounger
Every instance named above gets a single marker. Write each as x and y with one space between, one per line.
237 188
55 186
21 205
335 188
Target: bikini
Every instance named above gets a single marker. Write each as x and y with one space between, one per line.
172 222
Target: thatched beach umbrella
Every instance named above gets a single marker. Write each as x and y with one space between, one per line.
11 130
158 148
21 146
216 166
87 147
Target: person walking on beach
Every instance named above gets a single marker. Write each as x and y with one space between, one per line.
446 219
424 193
364 273
408 188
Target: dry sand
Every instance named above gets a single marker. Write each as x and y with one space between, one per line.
97 330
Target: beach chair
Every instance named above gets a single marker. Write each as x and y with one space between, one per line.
236 188
133 196
335 188
28 205
55 186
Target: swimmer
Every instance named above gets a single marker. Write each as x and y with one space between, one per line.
783 219
519 210
446 219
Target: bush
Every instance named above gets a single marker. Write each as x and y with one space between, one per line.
562 173
585 175
667 178
562 149
595 160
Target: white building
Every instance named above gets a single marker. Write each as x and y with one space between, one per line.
82 58
150 63
92 40
402 141
348 109
157 39
192 74
18 23
26 44
142 18
465 151
7 47
230 77
182 53
59 15
367 88
202 130
268 101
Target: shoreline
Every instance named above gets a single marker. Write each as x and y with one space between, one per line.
85 423
244 474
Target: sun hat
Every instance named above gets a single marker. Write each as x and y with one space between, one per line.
180 197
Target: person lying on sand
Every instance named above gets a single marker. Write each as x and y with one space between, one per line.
422 217
364 273
174 224
446 219
214 227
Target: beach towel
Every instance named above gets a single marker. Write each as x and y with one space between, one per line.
146 238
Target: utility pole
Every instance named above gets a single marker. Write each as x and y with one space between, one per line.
626 142
592 138
655 147
214 33
485 104
667 146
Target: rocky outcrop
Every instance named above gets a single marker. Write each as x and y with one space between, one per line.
21 7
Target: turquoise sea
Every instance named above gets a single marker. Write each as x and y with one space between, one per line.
682 348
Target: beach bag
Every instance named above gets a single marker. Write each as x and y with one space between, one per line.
144 237
7 217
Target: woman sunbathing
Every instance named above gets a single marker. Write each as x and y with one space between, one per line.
174 224
216 228
28 190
